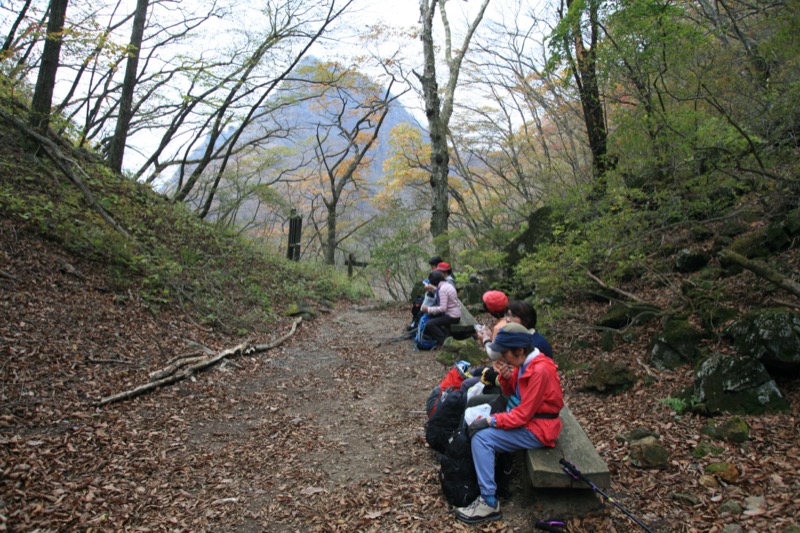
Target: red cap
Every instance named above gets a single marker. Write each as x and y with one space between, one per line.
444 267
495 301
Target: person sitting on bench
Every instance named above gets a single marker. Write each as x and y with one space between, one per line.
447 312
531 382
518 311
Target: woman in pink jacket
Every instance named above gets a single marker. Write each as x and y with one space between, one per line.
530 381
447 311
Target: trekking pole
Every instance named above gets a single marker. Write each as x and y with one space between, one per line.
574 473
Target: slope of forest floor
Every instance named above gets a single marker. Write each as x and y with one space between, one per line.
322 433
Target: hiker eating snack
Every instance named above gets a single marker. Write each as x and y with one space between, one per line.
533 387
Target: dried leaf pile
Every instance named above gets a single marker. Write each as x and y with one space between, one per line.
322 433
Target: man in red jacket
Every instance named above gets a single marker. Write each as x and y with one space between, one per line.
531 382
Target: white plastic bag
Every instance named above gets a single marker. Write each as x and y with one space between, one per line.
475 412
475 390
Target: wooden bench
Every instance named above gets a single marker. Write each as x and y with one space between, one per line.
573 445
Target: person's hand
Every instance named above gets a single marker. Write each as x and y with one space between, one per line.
503 369
424 308
477 425
489 376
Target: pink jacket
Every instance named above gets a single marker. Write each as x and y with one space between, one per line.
448 301
540 392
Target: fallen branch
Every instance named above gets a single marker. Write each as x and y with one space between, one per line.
785 303
614 289
208 351
763 270
647 369
173 367
244 348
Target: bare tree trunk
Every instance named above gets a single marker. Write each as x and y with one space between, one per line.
330 245
116 150
439 111
46 80
584 70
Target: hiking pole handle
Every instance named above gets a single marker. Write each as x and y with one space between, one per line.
556 526
572 470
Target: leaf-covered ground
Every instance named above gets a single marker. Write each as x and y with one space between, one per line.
322 433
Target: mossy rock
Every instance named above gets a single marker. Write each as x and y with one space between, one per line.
770 335
714 316
610 378
750 245
762 242
302 309
454 350
734 430
648 452
621 315
723 470
676 345
688 261
739 385
704 449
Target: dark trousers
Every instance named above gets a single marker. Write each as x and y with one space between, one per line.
438 327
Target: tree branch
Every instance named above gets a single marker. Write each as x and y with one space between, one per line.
201 364
763 270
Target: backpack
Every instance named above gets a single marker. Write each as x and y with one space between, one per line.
446 419
415 305
453 380
421 340
457 473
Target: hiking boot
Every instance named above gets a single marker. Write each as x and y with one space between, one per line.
478 511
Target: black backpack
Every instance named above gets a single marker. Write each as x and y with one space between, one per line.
415 305
457 473
446 419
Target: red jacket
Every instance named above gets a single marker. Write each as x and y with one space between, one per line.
540 392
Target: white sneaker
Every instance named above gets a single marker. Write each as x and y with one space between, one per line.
478 511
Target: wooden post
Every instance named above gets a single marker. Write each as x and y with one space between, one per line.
351 262
295 232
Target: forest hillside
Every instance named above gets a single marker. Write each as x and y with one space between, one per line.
629 168
89 312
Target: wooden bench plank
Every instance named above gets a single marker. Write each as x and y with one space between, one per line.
573 445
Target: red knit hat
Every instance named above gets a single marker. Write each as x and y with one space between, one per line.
495 301
444 267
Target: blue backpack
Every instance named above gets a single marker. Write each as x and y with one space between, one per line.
421 340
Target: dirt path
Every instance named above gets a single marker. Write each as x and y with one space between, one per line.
355 459
322 433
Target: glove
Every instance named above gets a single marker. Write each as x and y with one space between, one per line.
489 376
477 425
